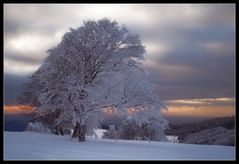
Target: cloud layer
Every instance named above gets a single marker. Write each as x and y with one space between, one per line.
190 48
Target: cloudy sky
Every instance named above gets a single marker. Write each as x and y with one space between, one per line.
190 48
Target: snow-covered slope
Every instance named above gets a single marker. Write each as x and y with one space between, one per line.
33 145
213 136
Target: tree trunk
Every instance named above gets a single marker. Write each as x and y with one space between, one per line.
79 132
61 131
74 134
56 130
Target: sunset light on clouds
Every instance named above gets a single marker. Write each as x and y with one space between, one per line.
202 111
201 107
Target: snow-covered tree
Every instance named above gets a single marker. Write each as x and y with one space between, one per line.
152 123
129 130
95 66
150 127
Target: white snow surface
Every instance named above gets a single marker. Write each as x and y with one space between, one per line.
173 139
98 133
43 146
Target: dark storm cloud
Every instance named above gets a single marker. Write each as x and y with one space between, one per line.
200 61
196 69
36 59
203 80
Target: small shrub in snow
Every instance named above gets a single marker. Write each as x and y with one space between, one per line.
111 133
37 127
147 130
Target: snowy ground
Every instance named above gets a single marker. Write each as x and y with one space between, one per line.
173 139
33 145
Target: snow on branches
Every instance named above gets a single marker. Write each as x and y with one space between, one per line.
94 66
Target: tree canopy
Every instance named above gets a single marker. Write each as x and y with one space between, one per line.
95 66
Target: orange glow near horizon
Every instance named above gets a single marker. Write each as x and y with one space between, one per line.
132 110
203 111
110 111
203 102
176 108
17 109
208 107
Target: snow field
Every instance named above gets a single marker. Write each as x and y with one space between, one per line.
40 146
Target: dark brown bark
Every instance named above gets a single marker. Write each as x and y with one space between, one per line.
56 131
75 131
79 132
61 131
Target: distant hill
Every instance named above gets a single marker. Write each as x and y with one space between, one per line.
15 125
12 85
16 122
183 130
213 136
